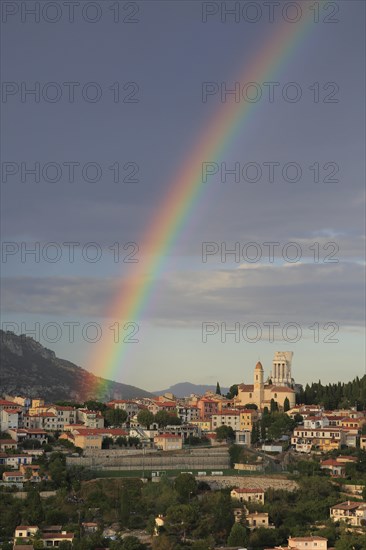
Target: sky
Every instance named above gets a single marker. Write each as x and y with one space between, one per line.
118 105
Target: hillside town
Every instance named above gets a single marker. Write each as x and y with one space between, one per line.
255 468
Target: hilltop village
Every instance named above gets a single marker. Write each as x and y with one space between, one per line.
267 465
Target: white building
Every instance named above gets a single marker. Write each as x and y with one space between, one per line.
281 370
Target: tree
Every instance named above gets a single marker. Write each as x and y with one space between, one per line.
286 404
95 406
223 517
163 543
115 417
145 418
225 433
218 389
238 536
233 391
235 453
107 442
251 406
132 543
185 485
164 418
34 508
179 520
255 433
274 405
125 507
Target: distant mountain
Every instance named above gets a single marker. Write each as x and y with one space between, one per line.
29 369
183 389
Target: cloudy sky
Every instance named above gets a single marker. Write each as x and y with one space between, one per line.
115 112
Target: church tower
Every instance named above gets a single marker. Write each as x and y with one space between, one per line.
258 385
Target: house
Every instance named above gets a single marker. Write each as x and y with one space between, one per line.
10 418
207 407
13 477
335 468
25 531
89 526
131 408
324 439
23 434
308 543
6 444
168 442
90 419
13 461
239 514
159 523
83 438
316 422
352 513
203 424
257 519
247 419
248 495
51 540
363 442
228 417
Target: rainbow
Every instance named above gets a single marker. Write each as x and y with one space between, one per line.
185 191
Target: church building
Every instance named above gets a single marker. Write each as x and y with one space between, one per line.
261 393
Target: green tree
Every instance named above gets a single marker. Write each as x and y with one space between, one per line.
95 406
125 507
350 541
145 418
235 453
286 404
115 417
186 486
179 520
255 433
273 405
225 433
218 389
164 418
107 442
163 543
223 517
34 508
238 536
132 543
233 391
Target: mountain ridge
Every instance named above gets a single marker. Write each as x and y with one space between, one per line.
28 368
183 389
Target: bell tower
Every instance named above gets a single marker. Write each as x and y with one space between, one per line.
259 384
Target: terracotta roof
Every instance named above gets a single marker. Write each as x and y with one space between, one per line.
348 505
12 411
331 462
246 387
26 527
284 389
57 535
247 490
